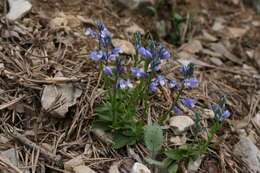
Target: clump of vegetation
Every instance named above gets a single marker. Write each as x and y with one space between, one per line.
129 89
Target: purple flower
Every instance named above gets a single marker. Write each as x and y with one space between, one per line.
189 102
92 33
97 55
173 84
145 52
153 87
108 70
191 82
117 50
161 80
220 114
226 114
122 84
188 70
163 53
138 73
176 110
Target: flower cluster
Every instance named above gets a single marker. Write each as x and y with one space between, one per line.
220 111
155 54
104 38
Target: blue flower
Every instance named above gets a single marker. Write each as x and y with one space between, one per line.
145 52
117 50
176 110
226 114
191 82
122 84
220 114
161 80
92 33
108 71
96 55
163 53
173 84
189 102
138 73
153 87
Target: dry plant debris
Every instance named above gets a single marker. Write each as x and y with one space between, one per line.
50 40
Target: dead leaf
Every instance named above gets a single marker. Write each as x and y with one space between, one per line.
114 167
220 48
192 47
134 28
237 32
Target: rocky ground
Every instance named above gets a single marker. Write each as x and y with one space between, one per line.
49 85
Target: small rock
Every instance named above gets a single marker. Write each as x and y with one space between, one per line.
180 123
134 4
195 165
140 168
71 164
216 61
134 28
83 169
256 120
217 26
178 140
249 153
18 8
208 114
125 46
3 139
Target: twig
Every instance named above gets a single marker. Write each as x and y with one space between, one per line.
45 153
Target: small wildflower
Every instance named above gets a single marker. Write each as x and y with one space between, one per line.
161 80
163 53
173 84
108 71
145 52
220 114
191 82
122 84
138 73
96 55
176 110
153 87
189 102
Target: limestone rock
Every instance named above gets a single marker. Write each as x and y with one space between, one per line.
180 123
75 162
249 153
140 168
134 4
18 8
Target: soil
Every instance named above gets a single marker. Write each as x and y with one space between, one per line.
49 46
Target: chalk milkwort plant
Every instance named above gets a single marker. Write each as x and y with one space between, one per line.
127 87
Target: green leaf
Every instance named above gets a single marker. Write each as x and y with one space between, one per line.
121 141
153 137
174 154
153 162
173 168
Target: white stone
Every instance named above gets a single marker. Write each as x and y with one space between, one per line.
249 153
216 61
195 165
134 4
18 8
83 169
140 168
180 124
